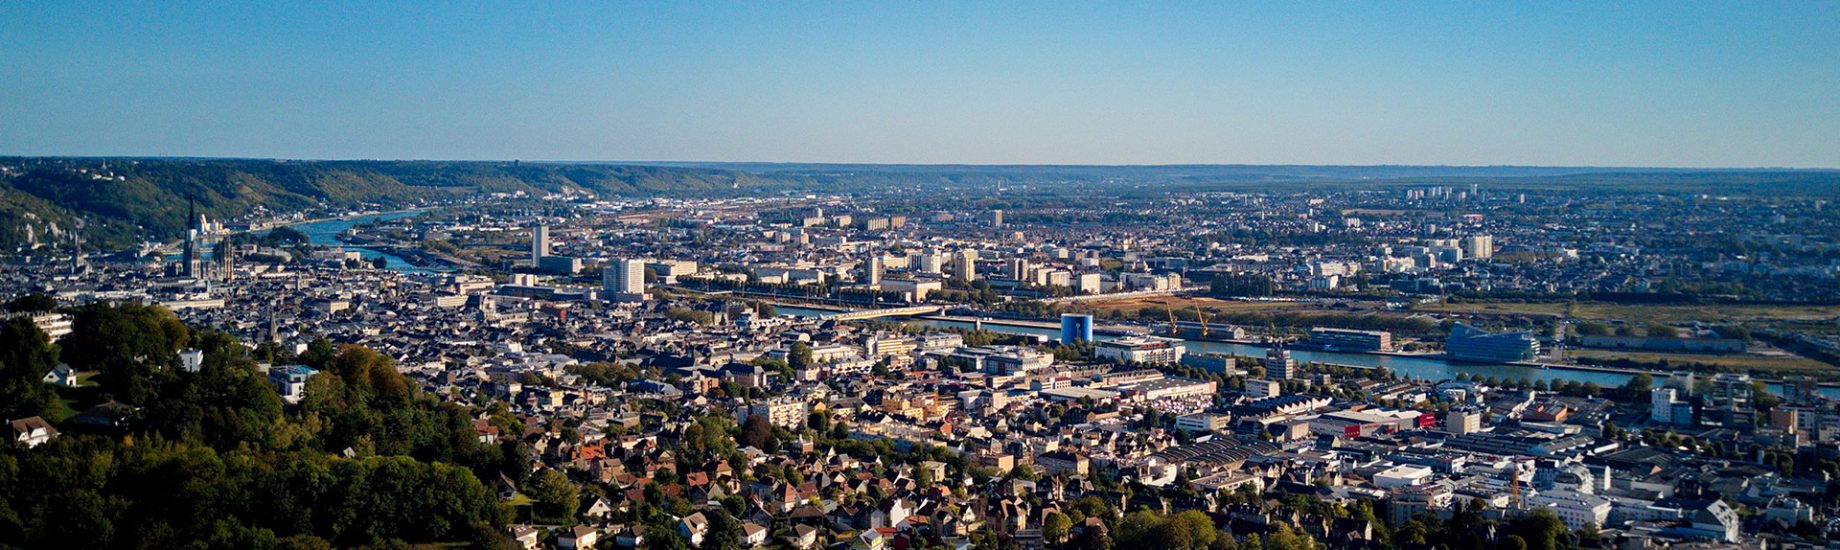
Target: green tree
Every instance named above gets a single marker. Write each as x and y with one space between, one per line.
1638 385
1056 527
1198 527
1541 529
25 357
757 432
665 538
555 496
226 404
799 356
32 303
1761 396
134 346
1283 538
724 530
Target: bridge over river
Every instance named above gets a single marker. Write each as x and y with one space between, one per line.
863 314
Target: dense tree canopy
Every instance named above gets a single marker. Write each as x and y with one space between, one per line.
25 357
32 303
212 460
133 345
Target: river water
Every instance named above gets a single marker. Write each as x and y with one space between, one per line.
1428 368
326 233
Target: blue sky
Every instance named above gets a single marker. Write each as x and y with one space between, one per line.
1471 83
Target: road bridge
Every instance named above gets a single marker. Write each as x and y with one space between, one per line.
860 315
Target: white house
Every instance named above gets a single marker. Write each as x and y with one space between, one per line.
753 535
693 527
191 359
32 431
62 375
580 537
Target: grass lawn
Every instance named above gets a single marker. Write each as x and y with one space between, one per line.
60 409
69 401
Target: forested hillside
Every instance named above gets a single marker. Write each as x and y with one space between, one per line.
121 201
212 459
117 202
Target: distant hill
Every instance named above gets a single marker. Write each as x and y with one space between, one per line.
119 201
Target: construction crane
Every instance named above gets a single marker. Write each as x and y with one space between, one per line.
1514 486
1172 319
1514 481
1202 317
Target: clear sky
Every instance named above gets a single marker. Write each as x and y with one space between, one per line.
1543 83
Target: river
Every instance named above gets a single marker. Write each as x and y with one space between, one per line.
326 233
1428 368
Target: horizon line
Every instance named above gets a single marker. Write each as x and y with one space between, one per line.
924 164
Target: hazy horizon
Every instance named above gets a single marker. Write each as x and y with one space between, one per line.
1584 85
740 163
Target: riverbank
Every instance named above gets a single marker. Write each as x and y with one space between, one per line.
273 225
1423 366
328 232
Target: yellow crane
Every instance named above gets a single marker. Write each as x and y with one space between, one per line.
1514 481
1514 486
1202 317
1172 319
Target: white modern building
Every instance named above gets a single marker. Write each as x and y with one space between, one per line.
624 280
1148 350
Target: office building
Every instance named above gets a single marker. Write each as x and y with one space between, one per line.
539 244
964 265
624 280
1480 247
1728 402
1076 327
1666 407
932 262
914 289
872 270
1467 343
669 270
1148 350
1463 420
996 218
1017 268
1573 508
1355 340
1278 364
1258 388
1203 422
